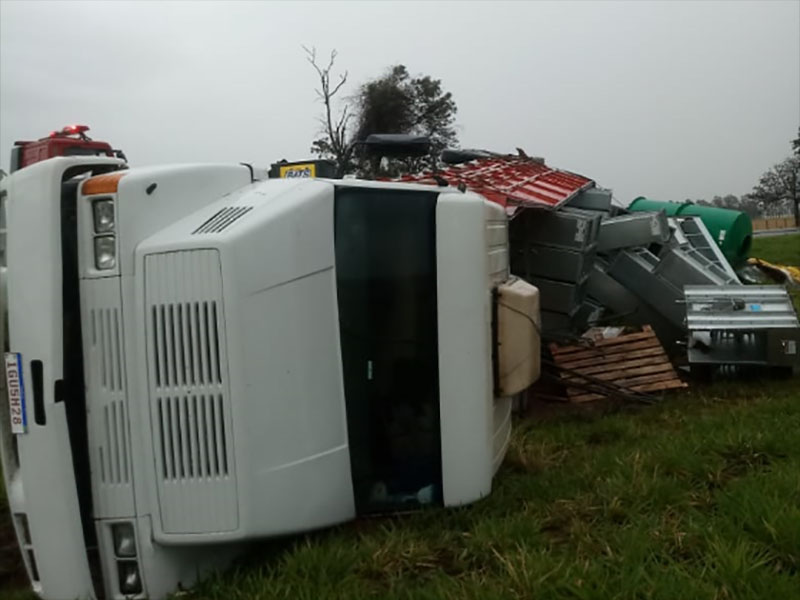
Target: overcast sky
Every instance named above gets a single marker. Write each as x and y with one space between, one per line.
670 100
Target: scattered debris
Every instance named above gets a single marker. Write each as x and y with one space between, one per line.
689 233
632 362
555 250
731 230
597 263
603 333
780 273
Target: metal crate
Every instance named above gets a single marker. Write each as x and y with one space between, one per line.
688 267
560 296
561 264
635 269
637 229
691 232
592 199
742 325
558 324
572 230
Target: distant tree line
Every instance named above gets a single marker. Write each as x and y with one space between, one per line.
780 186
745 203
777 192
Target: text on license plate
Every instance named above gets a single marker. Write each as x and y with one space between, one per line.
16 392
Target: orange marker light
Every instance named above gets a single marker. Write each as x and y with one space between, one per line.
102 184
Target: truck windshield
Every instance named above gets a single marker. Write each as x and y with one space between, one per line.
386 284
3 195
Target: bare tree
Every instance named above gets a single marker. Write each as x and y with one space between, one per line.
334 142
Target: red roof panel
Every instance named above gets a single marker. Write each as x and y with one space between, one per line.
510 181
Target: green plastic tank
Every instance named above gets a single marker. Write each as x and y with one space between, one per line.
731 229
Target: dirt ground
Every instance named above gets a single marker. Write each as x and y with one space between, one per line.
12 573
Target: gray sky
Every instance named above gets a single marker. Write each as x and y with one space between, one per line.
670 100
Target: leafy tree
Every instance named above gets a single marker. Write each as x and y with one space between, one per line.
385 105
399 103
751 206
781 185
392 103
796 144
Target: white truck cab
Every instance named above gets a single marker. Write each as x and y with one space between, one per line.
195 359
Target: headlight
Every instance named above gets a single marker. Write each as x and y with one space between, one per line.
103 216
129 581
105 252
124 540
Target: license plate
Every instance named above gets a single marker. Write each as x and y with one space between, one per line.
16 392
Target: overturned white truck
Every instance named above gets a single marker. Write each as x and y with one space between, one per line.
195 359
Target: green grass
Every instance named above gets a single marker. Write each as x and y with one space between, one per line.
779 249
698 497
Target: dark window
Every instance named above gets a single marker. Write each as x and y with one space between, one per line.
386 285
81 151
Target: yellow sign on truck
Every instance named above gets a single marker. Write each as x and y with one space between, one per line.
304 169
301 170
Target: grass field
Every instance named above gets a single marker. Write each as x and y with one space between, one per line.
697 497
780 249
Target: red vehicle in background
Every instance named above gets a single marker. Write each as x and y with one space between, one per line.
70 141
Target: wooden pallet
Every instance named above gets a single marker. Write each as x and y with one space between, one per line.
634 361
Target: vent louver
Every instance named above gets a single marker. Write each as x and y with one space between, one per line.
106 336
113 451
222 219
107 399
112 445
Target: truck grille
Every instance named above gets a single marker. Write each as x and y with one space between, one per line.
185 344
189 396
193 435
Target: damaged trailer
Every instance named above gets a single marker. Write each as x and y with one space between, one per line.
595 262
